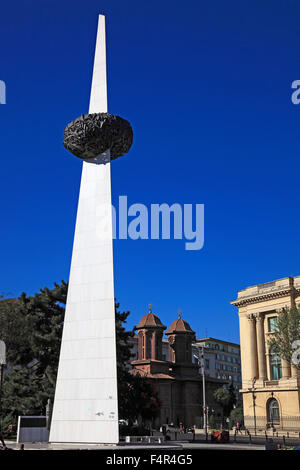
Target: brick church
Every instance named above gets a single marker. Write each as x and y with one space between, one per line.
177 380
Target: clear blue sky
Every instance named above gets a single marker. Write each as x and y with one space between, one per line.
206 86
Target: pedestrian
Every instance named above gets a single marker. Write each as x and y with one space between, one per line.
2 439
238 427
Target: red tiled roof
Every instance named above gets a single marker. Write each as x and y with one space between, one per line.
150 320
179 326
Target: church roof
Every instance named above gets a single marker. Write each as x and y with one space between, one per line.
150 320
179 326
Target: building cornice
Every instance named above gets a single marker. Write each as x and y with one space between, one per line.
262 297
269 389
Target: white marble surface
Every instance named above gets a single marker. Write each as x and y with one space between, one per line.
85 406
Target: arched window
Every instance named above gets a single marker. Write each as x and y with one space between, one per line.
187 351
143 346
148 346
273 411
275 364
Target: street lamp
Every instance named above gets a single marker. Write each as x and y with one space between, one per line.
2 364
252 389
2 359
201 363
272 395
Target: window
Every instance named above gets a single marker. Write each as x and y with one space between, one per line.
148 347
143 346
275 364
272 324
207 363
273 412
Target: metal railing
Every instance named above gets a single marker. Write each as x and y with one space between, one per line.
263 423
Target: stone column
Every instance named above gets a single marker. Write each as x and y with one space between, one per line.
140 345
253 347
268 364
294 371
153 345
261 351
286 369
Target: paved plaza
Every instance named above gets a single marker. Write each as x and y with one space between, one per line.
170 446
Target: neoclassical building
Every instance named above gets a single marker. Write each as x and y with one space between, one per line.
175 376
270 385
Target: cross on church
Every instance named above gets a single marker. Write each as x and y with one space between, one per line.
150 308
179 313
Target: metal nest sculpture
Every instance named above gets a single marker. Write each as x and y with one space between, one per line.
92 135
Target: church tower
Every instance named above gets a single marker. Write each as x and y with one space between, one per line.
150 332
180 337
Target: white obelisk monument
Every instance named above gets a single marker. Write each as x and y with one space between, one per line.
85 406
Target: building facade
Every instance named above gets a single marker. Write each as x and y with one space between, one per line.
270 385
222 360
168 364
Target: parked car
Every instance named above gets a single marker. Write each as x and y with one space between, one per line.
169 428
123 422
190 429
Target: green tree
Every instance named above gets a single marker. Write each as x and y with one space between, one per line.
142 400
226 399
236 415
16 330
137 398
285 339
232 396
31 327
124 354
46 310
24 392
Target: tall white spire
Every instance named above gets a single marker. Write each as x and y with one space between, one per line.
85 406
